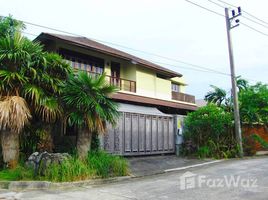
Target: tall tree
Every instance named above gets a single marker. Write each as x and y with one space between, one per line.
90 107
9 26
242 84
220 97
29 85
254 104
217 96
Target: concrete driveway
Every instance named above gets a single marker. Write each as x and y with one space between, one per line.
249 176
150 165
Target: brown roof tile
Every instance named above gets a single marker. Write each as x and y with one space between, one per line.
91 44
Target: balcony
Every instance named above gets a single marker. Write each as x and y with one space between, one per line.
178 96
120 83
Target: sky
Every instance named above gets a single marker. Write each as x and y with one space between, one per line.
171 28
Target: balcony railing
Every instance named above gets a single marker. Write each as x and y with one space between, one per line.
121 83
183 97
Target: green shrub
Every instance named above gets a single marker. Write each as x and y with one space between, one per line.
203 152
19 173
209 133
97 164
70 170
107 165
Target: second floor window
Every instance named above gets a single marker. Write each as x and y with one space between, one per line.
84 65
82 61
175 87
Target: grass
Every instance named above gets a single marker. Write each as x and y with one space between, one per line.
17 174
97 165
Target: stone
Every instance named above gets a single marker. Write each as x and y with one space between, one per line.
41 161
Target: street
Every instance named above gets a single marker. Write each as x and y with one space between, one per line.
168 185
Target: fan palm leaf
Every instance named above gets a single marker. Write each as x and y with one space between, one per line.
14 113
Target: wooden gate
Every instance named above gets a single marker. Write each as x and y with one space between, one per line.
140 134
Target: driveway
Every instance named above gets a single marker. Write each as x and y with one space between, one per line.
150 165
250 178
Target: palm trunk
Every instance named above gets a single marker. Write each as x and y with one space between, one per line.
46 143
83 143
10 148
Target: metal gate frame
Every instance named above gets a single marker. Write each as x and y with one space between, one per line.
140 134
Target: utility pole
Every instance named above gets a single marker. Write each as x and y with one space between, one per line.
233 76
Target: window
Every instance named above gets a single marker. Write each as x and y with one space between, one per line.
83 62
175 87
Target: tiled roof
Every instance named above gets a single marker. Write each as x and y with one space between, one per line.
93 45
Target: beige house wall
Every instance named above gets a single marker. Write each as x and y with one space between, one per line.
147 82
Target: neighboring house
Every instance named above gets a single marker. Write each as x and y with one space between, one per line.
200 103
146 91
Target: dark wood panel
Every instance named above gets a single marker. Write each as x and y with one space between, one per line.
183 97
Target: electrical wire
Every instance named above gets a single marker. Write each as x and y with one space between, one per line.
244 24
251 15
193 66
203 7
254 21
125 47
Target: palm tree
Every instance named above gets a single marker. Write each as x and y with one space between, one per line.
30 81
9 26
90 107
242 84
217 96
220 98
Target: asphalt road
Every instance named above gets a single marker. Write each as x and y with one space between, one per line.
245 179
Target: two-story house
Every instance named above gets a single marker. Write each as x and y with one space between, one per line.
148 94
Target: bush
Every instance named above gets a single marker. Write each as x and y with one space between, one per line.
97 164
16 174
70 170
107 165
209 132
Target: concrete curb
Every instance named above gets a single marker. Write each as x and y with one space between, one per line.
32 185
43 185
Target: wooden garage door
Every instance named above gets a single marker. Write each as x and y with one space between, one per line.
139 134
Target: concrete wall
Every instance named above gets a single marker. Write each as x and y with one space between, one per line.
163 88
145 82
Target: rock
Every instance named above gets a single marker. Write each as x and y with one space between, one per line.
41 161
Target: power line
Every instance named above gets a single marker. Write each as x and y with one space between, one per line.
246 25
251 15
217 4
176 66
254 29
256 17
125 47
194 66
207 9
254 21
